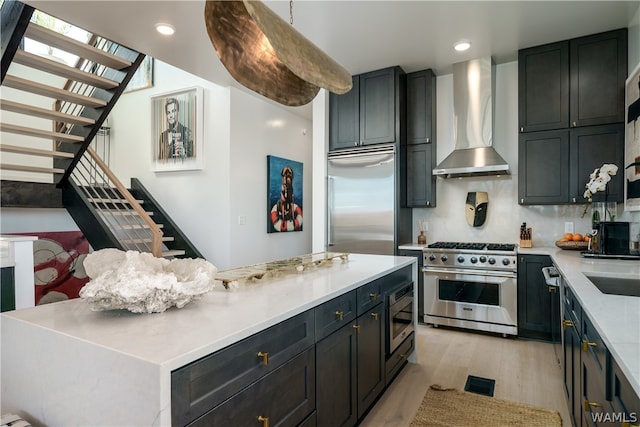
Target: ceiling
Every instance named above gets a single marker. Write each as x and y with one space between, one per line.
360 35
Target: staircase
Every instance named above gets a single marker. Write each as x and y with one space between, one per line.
51 113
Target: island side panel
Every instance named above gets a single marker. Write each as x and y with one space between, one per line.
52 379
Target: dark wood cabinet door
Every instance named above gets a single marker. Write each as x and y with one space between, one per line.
378 106
543 87
571 367
7 289
421 184
344 118
624 400
421 107
543 167
598 72
590 148
336 367
286 397
370 355
534 298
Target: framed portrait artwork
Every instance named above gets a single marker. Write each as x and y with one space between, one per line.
143 77
176 134
632 142
284 195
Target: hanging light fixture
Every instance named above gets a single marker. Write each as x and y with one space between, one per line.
267 55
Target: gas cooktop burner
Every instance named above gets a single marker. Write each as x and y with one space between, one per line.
509 247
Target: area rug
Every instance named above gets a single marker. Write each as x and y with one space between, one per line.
448 407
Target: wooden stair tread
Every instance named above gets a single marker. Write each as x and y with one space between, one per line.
35 151
25 168
112 212
52 92
176 252
62 70
31 110
114 201
133 226
83 50
149 240
40 133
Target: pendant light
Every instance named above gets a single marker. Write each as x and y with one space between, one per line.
267 55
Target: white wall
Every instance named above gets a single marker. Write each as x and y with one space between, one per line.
239 131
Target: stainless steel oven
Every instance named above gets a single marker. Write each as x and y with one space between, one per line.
473 288
400 315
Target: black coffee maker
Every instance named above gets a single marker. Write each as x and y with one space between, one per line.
610 238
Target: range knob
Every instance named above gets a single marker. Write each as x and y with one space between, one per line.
444 258
460 259
474 260
506 261
483 258
492 261
432 257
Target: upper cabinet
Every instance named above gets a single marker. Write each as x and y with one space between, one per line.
571 117
573 83
371 112
421 147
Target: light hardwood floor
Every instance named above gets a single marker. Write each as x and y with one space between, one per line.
524 370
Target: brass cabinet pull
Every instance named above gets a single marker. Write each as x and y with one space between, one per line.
374 315
567 324
264 421
586 344
588 405
265 358
574 124
340 315
521 129
357 328
373 296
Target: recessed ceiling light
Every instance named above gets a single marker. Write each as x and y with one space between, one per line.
462 46
165 29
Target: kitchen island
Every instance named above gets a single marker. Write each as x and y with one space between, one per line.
64 364
616 318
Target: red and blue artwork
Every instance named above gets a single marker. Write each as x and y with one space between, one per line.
284 191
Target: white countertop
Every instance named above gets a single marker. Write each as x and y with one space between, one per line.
216 320
413 246
64 364
615 317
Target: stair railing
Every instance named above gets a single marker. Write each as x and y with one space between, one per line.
130 224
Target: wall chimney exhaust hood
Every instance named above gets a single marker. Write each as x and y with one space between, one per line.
474 155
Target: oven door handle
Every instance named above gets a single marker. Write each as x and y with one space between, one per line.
508 274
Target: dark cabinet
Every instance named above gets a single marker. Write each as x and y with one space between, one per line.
206 383
543 167
336 363
285 397
419 291
543 87
590 148
593 375
536 299
351 364
372 112
571 103
554 166
7 289
421 148
370 355
598 65
573 83
571 363
624 401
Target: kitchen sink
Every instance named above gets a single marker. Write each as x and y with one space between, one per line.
616 285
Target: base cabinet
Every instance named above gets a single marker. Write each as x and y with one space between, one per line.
370 355
536 300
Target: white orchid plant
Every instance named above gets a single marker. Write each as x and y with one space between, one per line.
598 181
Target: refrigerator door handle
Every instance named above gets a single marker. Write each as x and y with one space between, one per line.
329 211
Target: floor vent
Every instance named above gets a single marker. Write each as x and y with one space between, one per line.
480 385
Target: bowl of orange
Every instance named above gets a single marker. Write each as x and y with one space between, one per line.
573 241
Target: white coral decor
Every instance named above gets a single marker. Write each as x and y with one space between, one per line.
599 179
142 283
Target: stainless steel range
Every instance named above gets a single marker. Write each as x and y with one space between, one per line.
471 285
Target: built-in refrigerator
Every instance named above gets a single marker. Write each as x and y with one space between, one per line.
364 206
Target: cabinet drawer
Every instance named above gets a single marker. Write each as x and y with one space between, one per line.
572 308
593 346
369 295
286 397
334 314
624 399
391 281
204 384
399 358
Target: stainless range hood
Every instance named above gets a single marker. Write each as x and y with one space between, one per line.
474 155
